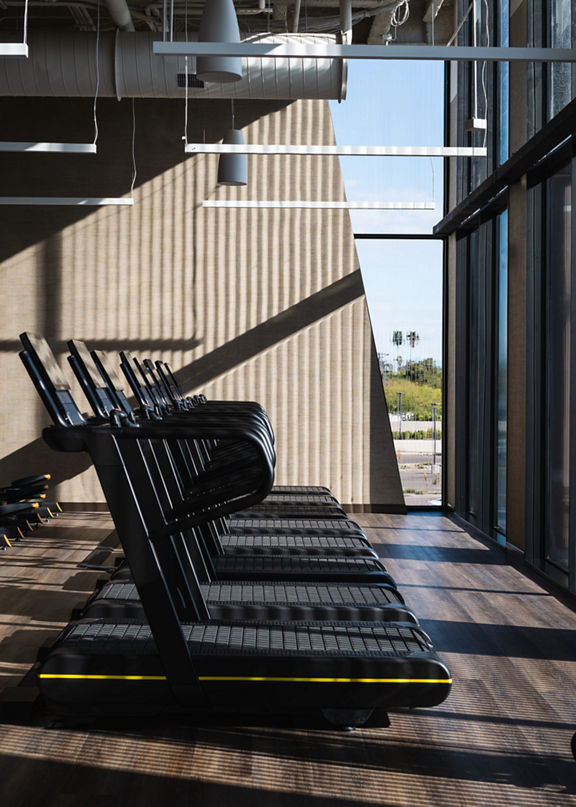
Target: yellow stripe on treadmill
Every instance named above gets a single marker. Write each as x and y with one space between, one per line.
327 680
105 677
273 679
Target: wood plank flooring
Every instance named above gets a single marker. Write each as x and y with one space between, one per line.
502 737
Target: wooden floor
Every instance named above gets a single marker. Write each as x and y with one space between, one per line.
502 737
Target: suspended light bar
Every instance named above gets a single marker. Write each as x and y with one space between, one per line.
458 53
88 201
56 148
13 49
339 151
320 205
17 48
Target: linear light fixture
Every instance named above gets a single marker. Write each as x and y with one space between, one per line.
88 201
57 148
17 48
13 49
317 205
339 151
458 53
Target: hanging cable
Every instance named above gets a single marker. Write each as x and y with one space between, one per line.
483 75
134 171
97 72
185 138
25 22
402 9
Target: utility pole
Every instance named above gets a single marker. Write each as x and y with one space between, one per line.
434 406
399 407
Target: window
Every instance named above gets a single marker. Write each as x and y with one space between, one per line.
557 368
501 376
560 21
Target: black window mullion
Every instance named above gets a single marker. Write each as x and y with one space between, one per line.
572 514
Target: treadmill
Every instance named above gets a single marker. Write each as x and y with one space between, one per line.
184 662
329 599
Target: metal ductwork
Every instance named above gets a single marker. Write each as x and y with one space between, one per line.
64 65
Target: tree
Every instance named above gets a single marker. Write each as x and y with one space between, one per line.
412 338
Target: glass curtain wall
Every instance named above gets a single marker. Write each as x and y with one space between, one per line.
551 23
557 359
482 92
481 376
561 21
501 404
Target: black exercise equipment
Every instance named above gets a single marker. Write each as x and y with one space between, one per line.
183 661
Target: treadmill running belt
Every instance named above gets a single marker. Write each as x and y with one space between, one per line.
293 526
115 668
276 593
292 542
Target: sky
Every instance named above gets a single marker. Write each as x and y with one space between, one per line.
396 103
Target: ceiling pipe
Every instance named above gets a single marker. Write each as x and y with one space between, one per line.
120 13
346 21
64 65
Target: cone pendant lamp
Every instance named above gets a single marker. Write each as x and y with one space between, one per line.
233 168
219 24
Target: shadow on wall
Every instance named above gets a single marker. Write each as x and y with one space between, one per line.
274 330
199 372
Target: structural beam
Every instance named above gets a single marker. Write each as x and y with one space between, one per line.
332 51
318 205
56 148
339 151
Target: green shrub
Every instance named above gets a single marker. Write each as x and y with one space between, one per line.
416 398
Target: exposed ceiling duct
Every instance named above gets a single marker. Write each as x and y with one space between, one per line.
64 65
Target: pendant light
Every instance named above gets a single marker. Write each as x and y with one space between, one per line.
233 168
219 24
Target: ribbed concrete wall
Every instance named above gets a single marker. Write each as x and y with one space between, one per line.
266 305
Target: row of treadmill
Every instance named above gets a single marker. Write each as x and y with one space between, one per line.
235 598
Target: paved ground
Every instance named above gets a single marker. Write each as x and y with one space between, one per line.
421 481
